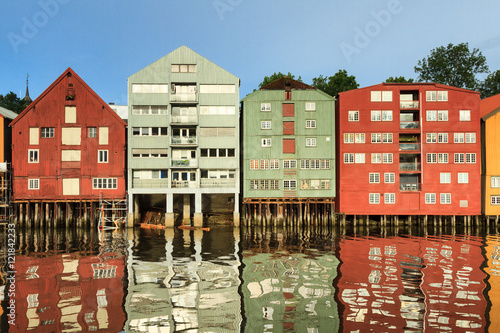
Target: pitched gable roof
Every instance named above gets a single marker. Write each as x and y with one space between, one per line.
488 105
54 84
285 82
7 113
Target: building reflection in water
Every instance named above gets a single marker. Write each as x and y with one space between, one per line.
412 284
287 285
492 268
69 286
190 285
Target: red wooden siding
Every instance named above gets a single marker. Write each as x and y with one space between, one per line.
288 127
48 111
289 146
288 110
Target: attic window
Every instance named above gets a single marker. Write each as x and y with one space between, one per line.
69 74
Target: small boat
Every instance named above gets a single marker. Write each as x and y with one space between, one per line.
188 227
151 226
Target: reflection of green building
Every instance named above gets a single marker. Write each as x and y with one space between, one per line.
290 293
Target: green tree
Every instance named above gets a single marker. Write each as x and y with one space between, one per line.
275 76
453 65
491 86
13 103
398 79
332 85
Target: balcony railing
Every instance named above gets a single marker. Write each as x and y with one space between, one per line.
408 187
183 98
184 119
409 166
184 163
150 183
408 104
409 146
218 183
409 124
184 184
183 140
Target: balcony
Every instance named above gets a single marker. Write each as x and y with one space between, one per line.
184 98
408 187
184 141
184 119
409 146
408 104
150 183
409 166
221 183
184 184
184 163
409 124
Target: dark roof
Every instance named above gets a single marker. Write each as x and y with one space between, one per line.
7 113
285 82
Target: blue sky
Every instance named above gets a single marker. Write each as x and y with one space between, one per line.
106 41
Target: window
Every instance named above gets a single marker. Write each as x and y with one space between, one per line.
103 135
266 142
274 164
311 106
446 198
431 115
212 152
310 123
445 178
310 142
149 152
387 158
374 178
464 203
470 158
265 124
254 184
376 158
305 164
353 115
213 110
102 156
34 135
254 164
376 115
32 155
459 137
149 131
183 68
68 155
470 137
433 96
33 184
274 184
264 164
92 132
289 164
430 198
390 198
149 109
387 137
463 177
442 158
431 137
459 158
104 183
348 137
464 115
205 131
381 96
495 200
266 107
389 177
325 184
387 115
348 158
325 164
264 184
359 158
374 198
432 158
143 88
495 181
430 96
217 88
71 136
359 138
442 115
315 164
289 184
443 137
47 132
70 114
442 96
376 137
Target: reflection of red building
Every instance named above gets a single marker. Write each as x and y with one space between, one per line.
423 284
70 293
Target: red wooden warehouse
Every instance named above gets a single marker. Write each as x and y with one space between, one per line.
408 149
68 146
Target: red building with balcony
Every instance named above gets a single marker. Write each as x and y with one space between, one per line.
68 145
408 149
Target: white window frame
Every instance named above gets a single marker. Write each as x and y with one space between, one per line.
104 183
463 177
442 115
387 115
33 156
430 198
33 184
310 106
289 184
374 198
376 137
431 115
254 164
387 138
445 178
374 178
470 158
495 200
390 198
311 123
442 157
459 138
464 115
359 138
431 138
376 115
431 158
274 164
348 137
353 116
387 158
265 107
495 182
359 158
102 156
470 137
442 137
266 143
459 158
348 158
376 158
389 177
265 124
289 164
445 198
310 142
